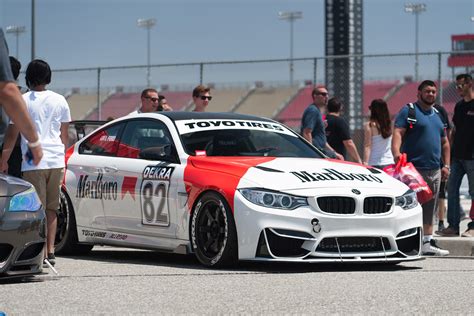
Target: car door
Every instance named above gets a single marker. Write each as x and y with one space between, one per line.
147 185
86 179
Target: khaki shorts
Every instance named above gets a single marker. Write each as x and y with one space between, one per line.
47 183
433 179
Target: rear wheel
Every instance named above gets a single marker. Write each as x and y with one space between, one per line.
213 232
66 232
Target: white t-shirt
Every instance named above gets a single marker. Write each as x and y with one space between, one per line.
48 110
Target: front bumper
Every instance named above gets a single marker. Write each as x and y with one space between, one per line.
22 239
307 234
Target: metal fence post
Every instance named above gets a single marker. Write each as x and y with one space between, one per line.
201 73
439 80
315 71
99 105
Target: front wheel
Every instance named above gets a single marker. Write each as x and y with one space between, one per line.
213 232
66 232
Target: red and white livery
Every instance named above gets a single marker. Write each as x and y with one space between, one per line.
230 187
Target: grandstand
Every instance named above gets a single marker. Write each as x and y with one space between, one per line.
378 90
118 104
292 113
282 103
82 104
178 100
224 99
266 101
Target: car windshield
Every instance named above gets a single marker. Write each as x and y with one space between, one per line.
247 142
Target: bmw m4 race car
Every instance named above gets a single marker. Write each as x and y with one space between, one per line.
22 228
230 187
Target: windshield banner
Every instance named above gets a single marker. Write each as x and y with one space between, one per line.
191 126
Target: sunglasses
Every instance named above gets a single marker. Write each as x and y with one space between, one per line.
460 86
153 99
204 97
324 94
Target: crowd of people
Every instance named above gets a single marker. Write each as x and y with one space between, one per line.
442 152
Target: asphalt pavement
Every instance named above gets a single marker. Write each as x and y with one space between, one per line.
117 281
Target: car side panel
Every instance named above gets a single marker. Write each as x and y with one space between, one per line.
82 177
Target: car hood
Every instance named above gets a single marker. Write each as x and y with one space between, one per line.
301 175
11 185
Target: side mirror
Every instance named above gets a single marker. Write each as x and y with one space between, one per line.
162 153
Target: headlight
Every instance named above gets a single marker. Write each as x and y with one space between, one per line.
26 201
273 199
407 200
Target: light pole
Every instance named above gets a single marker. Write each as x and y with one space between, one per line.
147 24
416 9
17 30
290 16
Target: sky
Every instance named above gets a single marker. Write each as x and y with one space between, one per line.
100 33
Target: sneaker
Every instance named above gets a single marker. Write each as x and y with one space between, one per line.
468 233
448 232
52 259
430 248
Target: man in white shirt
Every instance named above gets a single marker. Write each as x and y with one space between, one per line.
51 116
150 101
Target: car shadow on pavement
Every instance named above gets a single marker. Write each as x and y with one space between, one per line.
297 267
27 279
155 258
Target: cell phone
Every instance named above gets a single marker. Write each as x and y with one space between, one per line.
29 156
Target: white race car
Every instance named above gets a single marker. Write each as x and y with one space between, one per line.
230 187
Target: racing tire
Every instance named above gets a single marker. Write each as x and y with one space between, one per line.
213 232
66 242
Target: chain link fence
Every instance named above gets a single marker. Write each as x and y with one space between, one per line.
393 77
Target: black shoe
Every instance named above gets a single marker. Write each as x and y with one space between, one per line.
52 259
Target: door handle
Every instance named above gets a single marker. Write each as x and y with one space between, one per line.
110 169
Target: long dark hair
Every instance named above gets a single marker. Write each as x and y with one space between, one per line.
380 115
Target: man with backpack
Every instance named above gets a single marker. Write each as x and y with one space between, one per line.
425 143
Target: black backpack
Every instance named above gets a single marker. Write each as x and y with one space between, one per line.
411 118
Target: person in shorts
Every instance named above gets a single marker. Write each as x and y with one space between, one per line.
51 116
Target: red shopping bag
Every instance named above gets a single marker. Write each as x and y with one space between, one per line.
405 172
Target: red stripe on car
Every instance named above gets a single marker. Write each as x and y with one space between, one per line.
221 174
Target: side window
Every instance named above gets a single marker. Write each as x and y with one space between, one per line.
140 135
103 143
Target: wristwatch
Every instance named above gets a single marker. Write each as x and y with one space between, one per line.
447 167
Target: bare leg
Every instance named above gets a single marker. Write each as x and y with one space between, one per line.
51 220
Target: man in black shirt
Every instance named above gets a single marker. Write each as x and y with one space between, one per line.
337 131
462 161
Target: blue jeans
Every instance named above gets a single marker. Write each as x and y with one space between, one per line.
458 169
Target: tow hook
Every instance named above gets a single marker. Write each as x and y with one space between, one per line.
316 225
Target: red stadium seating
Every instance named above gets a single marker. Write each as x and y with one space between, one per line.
117 105
376 90
291 115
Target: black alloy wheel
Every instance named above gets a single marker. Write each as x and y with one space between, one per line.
66 242
213 232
